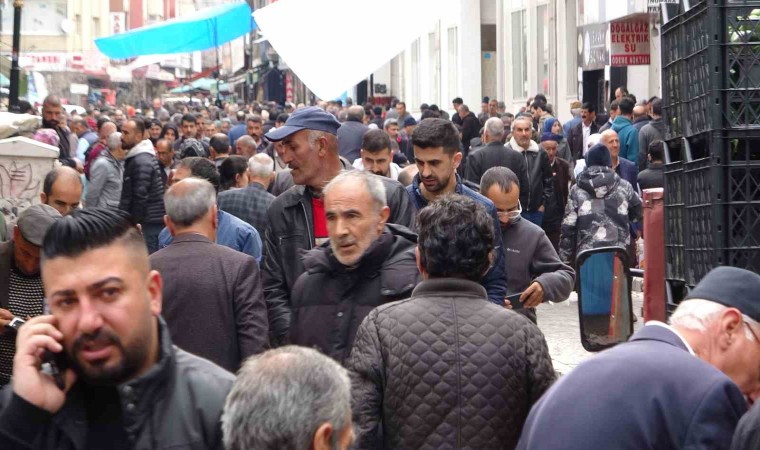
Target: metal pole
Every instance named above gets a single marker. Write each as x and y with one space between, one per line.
14 90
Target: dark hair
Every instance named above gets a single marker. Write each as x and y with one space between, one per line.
540 98
623 90
375 141
50 179
590 107
401 103
458 100
88 229
435 108
255 118
657 106
538 104
230 167
456 237
169 126
189 118
429 114
501 176
202 168
282 118
626 105
424 107
656 150
154 122
436 133
102 121
615 105
220 143
139 125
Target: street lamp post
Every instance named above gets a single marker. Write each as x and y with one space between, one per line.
17 5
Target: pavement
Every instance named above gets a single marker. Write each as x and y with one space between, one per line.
560 325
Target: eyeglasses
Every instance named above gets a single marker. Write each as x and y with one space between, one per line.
747 323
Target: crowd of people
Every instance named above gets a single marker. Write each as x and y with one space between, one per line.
344 276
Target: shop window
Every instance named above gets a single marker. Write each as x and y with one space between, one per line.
519 46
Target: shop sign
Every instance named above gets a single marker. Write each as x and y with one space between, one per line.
592 47
629 42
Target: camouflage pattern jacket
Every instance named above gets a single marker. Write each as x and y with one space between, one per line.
600 209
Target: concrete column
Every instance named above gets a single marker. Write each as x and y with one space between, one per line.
469 54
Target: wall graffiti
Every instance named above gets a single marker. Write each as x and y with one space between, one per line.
21 181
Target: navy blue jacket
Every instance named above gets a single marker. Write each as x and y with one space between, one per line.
628 171
649 393
495 280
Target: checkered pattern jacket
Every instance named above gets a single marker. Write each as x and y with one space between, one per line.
249 204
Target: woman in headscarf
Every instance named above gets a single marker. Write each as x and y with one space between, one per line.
554 127
170 132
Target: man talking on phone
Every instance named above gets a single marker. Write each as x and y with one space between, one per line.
118 382
21 294
536 274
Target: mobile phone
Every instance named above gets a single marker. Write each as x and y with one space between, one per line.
514 299
55 364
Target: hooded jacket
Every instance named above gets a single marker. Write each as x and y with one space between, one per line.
540 177
629 138
177 403
600 209
330 300
106 178
142 193
653 131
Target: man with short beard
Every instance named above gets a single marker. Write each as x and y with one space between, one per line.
142 194
125 384
53 117
376 156
437 154
367 263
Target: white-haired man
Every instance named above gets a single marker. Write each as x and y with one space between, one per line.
495 154
291 397
250 204
368 262
673 386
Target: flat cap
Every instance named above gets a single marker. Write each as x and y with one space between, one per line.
35 221
732 287
311 118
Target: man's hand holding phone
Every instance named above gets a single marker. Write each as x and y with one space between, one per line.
29 382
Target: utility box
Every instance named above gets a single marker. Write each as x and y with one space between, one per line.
23 165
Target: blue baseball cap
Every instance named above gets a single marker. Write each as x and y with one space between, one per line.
311 118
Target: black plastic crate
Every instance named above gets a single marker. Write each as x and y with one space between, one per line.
711 68
673 202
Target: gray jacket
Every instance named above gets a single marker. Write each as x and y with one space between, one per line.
653 131
176 404
529 257
106 178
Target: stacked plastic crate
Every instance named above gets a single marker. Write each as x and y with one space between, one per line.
711 107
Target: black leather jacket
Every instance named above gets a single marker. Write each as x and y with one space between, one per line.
142 193
176 404
290 234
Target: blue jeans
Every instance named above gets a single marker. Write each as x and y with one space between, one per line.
536 217
150 233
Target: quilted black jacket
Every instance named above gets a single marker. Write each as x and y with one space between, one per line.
446 369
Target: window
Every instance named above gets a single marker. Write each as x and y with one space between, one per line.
95 27
519 48
452 64
542 46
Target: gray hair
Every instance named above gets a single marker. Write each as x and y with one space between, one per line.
260 165
189 200
389 122
494 127
114 141
281 397
368 180
355 113
697 314
247 142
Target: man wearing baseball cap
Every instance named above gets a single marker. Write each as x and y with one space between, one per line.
296 219
21 293
677 386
